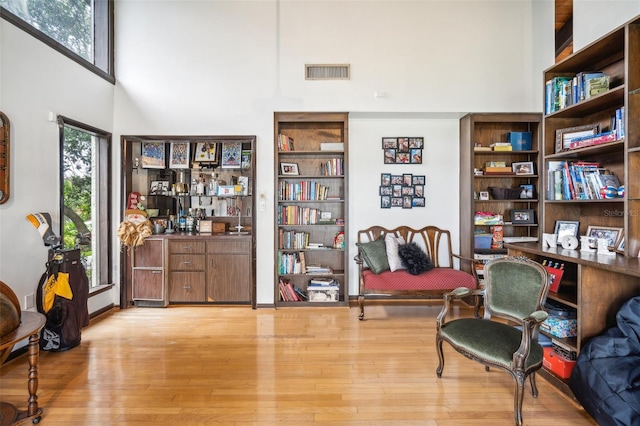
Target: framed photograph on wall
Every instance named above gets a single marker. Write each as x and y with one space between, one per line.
206 152
402 150
179 155
231 156
153 155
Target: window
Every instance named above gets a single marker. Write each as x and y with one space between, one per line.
85 176
80 29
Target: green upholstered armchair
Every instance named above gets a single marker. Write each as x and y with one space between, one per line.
514 292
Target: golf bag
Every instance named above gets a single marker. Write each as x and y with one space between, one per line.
62 297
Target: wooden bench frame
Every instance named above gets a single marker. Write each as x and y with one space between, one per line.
435 241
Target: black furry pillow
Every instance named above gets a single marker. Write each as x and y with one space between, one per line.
414 258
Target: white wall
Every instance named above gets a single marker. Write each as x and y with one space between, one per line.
223 67
594 18
36 80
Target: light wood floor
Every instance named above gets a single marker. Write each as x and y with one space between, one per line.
192 365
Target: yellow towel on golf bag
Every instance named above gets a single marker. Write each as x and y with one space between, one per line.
59 286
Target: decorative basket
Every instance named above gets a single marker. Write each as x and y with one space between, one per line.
505 193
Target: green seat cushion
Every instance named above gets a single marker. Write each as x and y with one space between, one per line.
489 340
375 254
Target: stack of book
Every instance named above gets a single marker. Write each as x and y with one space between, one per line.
581 180
318 269
285 143
290 292
564 91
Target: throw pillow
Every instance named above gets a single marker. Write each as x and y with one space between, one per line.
414 258
375 254
393 257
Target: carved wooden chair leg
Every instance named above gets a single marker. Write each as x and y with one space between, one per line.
534 388
440 357
518 398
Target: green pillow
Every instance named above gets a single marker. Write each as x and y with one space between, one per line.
375 254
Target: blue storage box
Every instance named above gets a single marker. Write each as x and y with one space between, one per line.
520 141
482 241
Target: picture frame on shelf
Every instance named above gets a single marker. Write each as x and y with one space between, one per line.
522 216
484 195
610 233
206 152
153 155
246 159
179 155
620 246
564 136
564 228
289 169
159 187
231 155
522 168
528 191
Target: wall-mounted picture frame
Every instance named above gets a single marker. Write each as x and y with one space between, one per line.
179 155
153 155
522 216
389 143
289 169
564 136
206 152
523 168
564 228
609 233
231 155
406 190
402 150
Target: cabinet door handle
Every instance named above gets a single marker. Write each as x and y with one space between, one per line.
186 248
186 262
156 272
186 287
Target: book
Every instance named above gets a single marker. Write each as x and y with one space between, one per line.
595 86
585 141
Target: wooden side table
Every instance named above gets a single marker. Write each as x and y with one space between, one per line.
30 325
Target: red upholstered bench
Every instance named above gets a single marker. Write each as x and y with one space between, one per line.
435 242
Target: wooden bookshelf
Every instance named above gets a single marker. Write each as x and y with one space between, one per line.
311 193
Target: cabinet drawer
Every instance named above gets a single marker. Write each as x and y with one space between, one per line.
148 284
150 254
187 262
186 246
229 246
187 287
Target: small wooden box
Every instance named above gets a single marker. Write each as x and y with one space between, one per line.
218 227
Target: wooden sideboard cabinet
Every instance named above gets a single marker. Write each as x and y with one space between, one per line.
149 284
229 270
187 271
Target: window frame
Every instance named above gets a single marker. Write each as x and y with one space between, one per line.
103 49
104 226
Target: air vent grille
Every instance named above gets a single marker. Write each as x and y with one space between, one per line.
327 72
